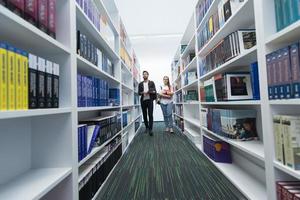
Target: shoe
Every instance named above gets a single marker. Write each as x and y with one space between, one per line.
150 133
146 130
167 130
171 131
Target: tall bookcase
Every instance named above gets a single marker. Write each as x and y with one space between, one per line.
254 169
39 148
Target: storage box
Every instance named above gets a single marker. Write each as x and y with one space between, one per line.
218 151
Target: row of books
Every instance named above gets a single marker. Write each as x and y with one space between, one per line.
226 8
92 91
187 60
288 190
287 143
126 58
190 77
233 124
90 52
127 117
283 70
190 95
179 122
178 109
217 150
41 13
201 10
286 13
91 183
236 43
96 131
178 97
99 20
27 81
234 86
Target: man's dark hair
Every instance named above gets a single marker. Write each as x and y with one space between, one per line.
146 72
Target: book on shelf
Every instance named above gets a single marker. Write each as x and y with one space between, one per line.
31 11
286 13
236 43
210 95
255 80
232 124
287 142
203 117
99 169
283 72
3 76
283 187
48 84
190 95
92 134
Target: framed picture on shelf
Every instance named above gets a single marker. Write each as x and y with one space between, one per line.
239 86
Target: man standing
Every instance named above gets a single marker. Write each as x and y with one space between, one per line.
147 91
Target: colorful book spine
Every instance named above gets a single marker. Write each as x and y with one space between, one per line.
55 85
43 15
278 133
3 77
48 86
11 64
32 81
18 80
25 80
295 69
31 11
41 83
255 81
52 18
16 6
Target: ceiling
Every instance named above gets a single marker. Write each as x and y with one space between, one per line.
155 17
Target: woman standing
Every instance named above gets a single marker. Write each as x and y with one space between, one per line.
166 103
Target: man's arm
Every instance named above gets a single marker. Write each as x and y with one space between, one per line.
140 90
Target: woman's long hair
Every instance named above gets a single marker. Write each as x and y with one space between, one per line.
169 85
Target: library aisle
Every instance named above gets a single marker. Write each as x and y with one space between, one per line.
166 166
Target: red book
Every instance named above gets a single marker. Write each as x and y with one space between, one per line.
292 194
43 15
281 184
17 6
52 18
30 11
297 197
286 190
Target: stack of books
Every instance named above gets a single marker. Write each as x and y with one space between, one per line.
190 77
236 43
232 124
283 71
114 97
287 143
286 13
190 95
201 9
288 190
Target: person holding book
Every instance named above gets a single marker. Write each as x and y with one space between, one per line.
147 91
166 103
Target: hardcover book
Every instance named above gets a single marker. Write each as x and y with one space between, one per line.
295 70
11 78
32 81
238 86
52 18
48 86
18 79
41 83
43 15
31 11
3 76
16 6
25 80
55 86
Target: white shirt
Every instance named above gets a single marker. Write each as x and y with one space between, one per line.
146 89
164 100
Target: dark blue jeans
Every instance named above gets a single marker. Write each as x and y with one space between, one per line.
167 113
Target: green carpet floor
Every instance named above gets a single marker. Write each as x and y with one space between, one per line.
166 167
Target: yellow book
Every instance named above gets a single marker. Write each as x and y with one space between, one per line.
25 80
19 77
211 25
278 138
11 78
3 76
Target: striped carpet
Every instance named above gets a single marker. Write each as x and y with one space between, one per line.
166 167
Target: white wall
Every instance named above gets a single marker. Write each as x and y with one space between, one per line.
155 55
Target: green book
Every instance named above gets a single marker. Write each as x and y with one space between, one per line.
286 6
295 10
278 14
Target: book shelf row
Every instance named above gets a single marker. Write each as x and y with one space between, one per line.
86 41
272 86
